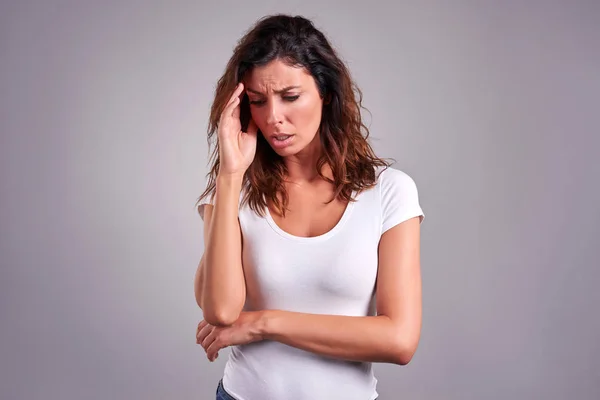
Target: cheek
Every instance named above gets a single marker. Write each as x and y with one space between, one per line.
309 118
306 115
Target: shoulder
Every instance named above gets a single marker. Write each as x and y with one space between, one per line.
393 179
399 197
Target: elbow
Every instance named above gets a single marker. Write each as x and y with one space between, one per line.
404 352
221 317
218 312
403 358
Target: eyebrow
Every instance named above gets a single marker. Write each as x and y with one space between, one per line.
285 89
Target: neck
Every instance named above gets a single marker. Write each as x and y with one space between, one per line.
302 167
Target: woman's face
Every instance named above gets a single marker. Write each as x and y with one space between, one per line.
285 105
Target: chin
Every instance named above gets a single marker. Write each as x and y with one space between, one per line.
286 152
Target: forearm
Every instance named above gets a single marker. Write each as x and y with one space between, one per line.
371 338
199 283
224 290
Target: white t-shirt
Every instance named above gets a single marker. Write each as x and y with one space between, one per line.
331 274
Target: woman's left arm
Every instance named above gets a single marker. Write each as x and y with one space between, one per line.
392 336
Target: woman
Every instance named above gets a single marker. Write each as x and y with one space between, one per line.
311 265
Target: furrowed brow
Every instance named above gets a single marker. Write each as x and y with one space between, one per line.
285 89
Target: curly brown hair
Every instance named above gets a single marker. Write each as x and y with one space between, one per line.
295 41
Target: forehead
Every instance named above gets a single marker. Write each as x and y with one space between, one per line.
277 75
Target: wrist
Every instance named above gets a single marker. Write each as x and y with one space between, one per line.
264 324
228 180
228 185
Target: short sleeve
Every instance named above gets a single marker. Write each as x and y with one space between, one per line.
210 200
207 200
399 198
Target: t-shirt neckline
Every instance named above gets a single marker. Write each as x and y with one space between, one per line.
340 224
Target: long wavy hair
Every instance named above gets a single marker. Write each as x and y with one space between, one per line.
296 41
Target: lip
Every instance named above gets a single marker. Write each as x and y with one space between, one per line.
281 144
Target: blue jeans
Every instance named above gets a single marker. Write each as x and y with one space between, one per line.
222 394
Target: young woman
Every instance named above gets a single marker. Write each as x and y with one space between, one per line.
311 267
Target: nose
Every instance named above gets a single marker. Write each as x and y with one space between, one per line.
273 113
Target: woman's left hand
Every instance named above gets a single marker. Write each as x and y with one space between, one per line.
245 330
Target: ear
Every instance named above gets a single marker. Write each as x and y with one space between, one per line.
327 98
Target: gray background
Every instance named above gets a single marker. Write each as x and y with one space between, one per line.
492 107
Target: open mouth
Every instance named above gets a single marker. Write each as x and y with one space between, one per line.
282 140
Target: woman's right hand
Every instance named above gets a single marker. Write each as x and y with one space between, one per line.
236 148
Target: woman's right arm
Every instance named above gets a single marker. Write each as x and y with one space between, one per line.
199 277
221 276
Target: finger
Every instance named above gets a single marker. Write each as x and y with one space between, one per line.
234 99
203 333
235 113
212 352
228 111
201 325
236 92
209 339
